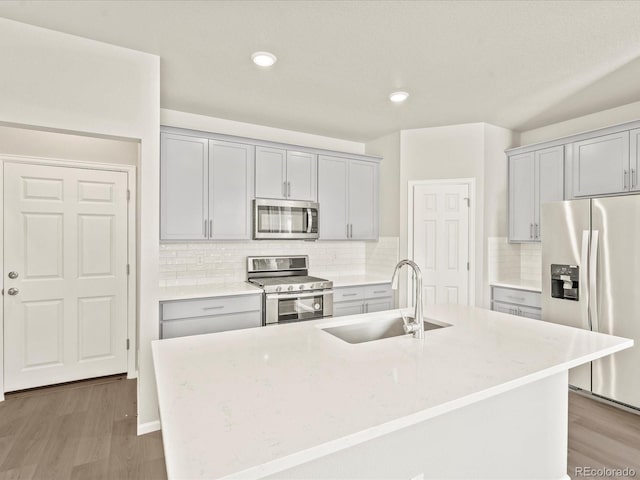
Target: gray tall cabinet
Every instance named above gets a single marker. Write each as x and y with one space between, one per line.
206 188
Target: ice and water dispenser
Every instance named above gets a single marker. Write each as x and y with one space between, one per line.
565 281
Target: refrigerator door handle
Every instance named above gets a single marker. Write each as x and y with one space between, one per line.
593 280
584 262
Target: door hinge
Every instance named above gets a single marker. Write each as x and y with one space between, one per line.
128 269
127 344
468 200
128 195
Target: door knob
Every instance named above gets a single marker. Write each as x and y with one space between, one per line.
13 291
13 275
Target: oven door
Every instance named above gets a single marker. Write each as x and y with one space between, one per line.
295 307
285 219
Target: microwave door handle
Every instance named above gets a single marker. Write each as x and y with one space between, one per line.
309 220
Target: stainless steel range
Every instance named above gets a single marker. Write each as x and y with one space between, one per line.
290 294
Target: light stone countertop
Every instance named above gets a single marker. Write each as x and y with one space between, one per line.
211 290
522 285
250 403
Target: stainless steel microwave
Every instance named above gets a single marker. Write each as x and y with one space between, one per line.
284 220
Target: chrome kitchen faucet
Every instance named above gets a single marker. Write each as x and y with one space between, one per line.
416 326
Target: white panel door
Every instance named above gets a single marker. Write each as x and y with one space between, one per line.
333 173
65 237
271 173
441 241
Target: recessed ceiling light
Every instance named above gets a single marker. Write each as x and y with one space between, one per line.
398 97
263 59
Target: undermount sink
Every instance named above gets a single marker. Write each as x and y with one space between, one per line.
376 330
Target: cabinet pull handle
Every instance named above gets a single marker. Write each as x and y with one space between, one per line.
218 307
520 299
288 189
351 230
349 294
531 230
624 180
634 178
284 189
210 228
537 231
347 225
379 291
205 229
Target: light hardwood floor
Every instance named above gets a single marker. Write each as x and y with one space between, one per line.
84 430
87 430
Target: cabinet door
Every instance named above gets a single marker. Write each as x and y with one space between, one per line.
521 197
504 308
550 177
302 176
183 187
332 196
231 180
601 165
528 312
378 305
635 158
347 308
270 172
363 200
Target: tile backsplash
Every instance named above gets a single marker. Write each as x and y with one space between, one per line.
225 262
514 262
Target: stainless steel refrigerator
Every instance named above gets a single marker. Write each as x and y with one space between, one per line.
591 280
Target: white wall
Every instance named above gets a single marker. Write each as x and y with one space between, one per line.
57 81
42 143
604 118
173 118
388 147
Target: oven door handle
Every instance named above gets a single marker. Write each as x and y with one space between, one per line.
315 293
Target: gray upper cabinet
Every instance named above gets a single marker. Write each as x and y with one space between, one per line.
348 192
184 190
231 180
285 174
634 159
534 178
601 165
206 189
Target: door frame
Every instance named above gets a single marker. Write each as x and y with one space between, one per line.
471 184
131 171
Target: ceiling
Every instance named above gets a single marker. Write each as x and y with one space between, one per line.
516 64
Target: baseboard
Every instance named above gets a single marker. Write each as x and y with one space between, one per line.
132 374
148 427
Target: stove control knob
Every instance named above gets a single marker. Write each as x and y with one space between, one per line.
301 287
316 306
290 287
278 289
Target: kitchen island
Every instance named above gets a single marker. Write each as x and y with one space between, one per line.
483 398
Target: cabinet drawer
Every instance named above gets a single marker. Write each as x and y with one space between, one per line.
211 324
504 308
529 312
347 294
347 308
210 306
522 297
378 305
378 291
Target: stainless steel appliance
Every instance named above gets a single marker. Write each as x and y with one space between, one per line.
591 280
285 220
290 294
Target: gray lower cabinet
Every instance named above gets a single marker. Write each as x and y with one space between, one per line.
348 192
524 303
180 318
362 299
206 187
